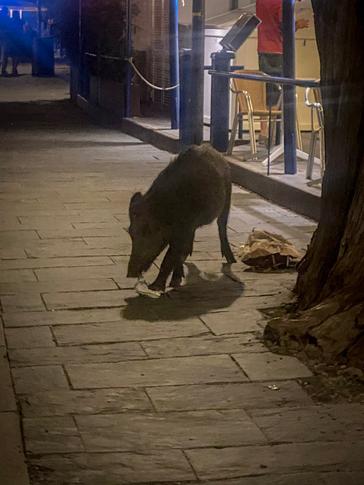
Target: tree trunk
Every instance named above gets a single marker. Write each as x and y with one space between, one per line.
330 284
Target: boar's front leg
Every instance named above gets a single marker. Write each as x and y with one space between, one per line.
176 255
177 276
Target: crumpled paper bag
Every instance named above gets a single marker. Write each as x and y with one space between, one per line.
264 251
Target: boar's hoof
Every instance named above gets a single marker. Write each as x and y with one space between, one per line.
176 282
156 286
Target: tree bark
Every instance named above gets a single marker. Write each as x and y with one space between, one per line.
330 284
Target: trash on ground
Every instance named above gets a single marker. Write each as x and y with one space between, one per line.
142 289
267 251
273 387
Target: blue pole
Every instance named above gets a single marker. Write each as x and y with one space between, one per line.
185 129
197 70
39 13
174 62
129 52
289 92
81 69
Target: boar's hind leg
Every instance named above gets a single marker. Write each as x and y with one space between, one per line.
176 255
222 225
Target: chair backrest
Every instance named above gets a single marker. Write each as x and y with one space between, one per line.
316 104
320 112
317 95
256 90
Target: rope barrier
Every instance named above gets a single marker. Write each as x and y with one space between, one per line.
153 86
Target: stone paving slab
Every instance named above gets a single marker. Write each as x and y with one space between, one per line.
17 276
7 400
12 253
36 263
112 468
290 479
52 435
84 354
13 470
85 273
86 299
110 230
75 250
343 478
65 317
125 331
17 236
212 463
156 372
97 401
193 429
29 338
204 345
233 322
104 227
268 366
2 335
33 379
229 396
47 220
55 285
314 424
318 478
122 241
26 302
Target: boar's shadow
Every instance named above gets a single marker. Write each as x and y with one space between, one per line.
201 293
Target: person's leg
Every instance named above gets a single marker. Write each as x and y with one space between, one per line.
272 65
15 60
263 66
4 58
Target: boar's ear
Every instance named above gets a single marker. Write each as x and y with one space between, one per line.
136 199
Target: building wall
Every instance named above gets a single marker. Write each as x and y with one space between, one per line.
213 8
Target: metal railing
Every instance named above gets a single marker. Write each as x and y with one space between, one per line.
303 83
102 56
220 112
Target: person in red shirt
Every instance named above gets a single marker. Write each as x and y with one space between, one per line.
270 46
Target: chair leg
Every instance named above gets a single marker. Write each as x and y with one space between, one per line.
241 127
322 151
299 134
253 141
233 134
311 155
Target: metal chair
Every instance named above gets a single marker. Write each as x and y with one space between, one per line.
251 103
317 131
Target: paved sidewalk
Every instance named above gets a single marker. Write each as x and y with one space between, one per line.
113 388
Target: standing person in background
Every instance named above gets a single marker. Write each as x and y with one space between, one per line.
4 39
16 41
29 35
270 48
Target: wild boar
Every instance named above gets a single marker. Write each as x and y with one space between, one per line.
192 191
